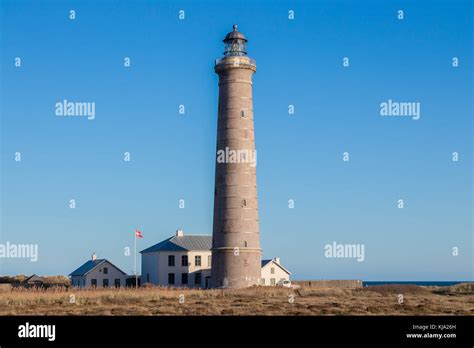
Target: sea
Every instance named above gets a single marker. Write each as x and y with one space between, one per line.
421 283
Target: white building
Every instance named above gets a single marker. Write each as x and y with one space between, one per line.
185 261
99 273
179 261
273 273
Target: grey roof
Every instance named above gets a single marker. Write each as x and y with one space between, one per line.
87 267
182 243
34 278
264 262
90 265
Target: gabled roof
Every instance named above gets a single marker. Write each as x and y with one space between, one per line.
90 265
266 262
182 243
34 278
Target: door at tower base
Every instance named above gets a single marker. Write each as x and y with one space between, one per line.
236 253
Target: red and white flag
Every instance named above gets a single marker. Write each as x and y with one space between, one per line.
138 234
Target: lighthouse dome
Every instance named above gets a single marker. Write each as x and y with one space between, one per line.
234 34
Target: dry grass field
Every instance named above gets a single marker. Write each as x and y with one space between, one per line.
376 300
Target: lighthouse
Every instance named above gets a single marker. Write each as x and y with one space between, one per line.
236 253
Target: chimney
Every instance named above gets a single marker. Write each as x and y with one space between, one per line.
179 233
94 257
277 260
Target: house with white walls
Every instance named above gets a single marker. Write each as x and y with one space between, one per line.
185 261
273 273
179 261
98 273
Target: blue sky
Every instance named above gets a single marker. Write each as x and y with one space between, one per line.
299 62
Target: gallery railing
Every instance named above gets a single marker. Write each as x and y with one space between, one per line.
236 62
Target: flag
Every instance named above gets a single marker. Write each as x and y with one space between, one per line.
138 234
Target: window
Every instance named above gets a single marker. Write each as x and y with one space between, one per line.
272 281
117 283
263 281
94 282
197 278
171 260
243 203
246 244
148 277
84 282
184 278
209 260
170 278
106 270
197 260
105 283
242 113
184 260
272 270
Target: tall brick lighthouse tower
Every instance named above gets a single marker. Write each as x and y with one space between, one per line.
236 253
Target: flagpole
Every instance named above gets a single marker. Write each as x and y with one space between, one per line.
135 262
